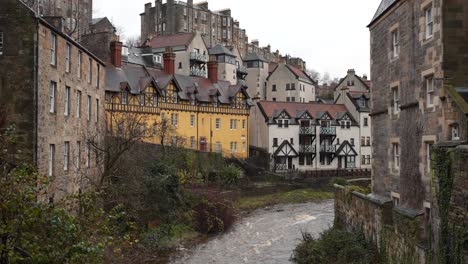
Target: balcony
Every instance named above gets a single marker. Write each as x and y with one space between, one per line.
328 148
307 130
242 70
198 57
328 131
281 167
307 149
197 72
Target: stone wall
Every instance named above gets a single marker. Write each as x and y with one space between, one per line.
407 236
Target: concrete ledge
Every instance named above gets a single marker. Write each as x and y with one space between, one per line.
337 186
375 199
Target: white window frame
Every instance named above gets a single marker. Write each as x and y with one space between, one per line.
429 22
66 111
78 155
90 71
218 123
396 155
428 156
429 80
396 100
192 120
53 49
79 68
244 124
455 129
67 58
78 104
395 43
88 108
218 148
51 160
66 155
52 97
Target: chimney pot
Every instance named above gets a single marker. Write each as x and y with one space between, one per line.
213 69
116 53
169 61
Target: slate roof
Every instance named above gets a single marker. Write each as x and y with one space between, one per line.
169 41
94 21
269 109
136 56
384 6
220 50
132 76
254 57
299 73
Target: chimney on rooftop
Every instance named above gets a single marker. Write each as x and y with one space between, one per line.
169 61
364 77
116 52
213 69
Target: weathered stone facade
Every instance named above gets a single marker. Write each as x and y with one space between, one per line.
418 59
41 88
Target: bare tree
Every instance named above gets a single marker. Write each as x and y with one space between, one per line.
132 42
124 131
313 74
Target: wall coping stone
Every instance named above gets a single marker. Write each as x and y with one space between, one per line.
408 212
373 198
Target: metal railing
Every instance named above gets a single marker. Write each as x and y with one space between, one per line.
242 69
328 131
198 57
307 148
281 167
328 148
307 130
197 72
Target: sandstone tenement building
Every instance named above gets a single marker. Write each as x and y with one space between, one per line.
53 92
76 14
419 67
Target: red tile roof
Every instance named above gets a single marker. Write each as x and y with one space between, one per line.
268 108
182 39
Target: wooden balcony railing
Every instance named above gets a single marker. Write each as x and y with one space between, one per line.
328 131
328 148
307 149
307 130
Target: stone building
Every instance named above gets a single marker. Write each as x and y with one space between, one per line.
173 17
287 83
53 92
77 14
190 49
203 114
354 92
418 105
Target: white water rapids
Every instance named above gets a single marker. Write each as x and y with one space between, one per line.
266 236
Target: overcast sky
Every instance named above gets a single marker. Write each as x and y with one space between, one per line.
330 35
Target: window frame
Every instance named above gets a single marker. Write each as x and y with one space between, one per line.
78 103
395 43
66 111
395 100
51 160
53 49
429 22
66 155
396 155
430 91
52 97
68 58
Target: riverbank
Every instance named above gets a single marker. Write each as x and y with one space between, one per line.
249 204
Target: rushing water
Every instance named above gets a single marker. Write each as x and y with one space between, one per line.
265 236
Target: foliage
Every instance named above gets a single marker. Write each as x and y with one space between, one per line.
230 175
214 214
339 181
34 232
296 196
335 247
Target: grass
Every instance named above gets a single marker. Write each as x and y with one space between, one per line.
297 196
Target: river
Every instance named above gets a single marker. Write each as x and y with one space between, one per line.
266 236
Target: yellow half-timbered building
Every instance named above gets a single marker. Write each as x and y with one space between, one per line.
198 113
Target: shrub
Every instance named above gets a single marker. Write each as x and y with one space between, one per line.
230 175
213 214
335 247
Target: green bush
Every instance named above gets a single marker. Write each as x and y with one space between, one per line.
230 175
335 247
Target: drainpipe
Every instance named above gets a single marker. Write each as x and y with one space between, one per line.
36 94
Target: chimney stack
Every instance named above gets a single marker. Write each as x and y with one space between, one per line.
116 52
213 69
169 61
364 77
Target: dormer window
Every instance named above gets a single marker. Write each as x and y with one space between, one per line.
325 123
124 97
283 123
455 128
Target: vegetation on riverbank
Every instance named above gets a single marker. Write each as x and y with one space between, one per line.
335 246
249 204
